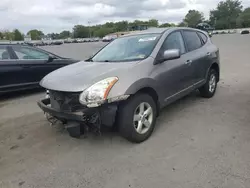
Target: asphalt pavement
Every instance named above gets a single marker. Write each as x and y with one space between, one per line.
79 51
197 143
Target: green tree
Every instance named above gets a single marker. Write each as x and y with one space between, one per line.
121 26
182 24
193 17
136 23
53 35
35 34
167 25
226 14
1 35
7 35
101 32
18 36
80 31
153 23
244 19
64 34
109 24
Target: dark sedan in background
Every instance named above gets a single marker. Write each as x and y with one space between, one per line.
23 66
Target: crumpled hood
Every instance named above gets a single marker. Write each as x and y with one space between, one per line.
79 76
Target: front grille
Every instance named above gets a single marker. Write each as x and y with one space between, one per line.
65 101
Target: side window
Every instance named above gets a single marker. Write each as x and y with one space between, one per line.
4 54
193 41
29 53
174 41
203 36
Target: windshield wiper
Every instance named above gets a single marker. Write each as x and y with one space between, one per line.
89 60
104 61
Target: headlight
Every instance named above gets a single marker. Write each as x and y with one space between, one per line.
97 93
47 94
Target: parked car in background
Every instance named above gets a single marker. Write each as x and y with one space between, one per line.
23 66
74 41
96 39
128 81
106 39
57 42
243 32
29 43
87 40
109 38
205 27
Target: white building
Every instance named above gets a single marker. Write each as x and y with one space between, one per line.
27 38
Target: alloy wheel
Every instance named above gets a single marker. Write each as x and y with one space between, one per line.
143 118
212 83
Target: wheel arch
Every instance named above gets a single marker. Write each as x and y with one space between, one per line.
148 86
216 67
151 92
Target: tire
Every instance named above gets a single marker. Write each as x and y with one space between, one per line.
205 90
126 124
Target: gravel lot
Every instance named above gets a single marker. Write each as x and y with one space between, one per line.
198 143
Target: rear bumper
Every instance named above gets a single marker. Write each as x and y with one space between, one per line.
107 112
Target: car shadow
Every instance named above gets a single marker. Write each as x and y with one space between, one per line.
176 107
112 135
107 135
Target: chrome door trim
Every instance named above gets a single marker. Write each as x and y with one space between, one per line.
179 92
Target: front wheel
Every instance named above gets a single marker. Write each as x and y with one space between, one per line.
137 118
208 90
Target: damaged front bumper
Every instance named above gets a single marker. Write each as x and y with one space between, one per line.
77 121
44 104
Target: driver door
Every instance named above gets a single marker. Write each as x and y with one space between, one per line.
34 63
174 75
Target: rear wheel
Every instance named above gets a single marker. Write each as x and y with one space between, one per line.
137 117
208 90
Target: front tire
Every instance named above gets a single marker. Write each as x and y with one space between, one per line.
137 118
208 90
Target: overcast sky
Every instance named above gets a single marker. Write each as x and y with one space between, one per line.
57 15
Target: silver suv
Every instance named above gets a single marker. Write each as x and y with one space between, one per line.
126 83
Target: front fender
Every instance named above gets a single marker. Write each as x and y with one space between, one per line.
141 84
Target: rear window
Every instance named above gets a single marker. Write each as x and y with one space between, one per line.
203 36
193 41
4 54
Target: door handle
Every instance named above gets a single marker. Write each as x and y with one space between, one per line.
208 54
188 62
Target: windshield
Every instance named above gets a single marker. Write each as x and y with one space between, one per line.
129 48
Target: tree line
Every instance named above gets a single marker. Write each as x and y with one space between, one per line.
229 14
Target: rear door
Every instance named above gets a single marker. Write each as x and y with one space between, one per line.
196 54
208 51
11 76
35 62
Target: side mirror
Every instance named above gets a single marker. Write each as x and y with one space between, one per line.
170 55
51 58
